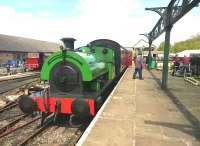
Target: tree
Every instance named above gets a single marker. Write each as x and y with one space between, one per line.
192 43
161 46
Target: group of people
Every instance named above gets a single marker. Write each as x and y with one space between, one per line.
178 64
14 64
140 63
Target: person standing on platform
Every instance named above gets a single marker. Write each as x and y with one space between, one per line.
138 66
186 62
176 62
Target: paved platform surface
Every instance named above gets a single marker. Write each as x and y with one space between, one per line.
139 113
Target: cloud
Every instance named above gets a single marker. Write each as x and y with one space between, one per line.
44 13
186 27
26 24
97 19
113 19
104 9
120 20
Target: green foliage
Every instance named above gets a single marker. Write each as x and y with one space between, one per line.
189 44
161 46
192 43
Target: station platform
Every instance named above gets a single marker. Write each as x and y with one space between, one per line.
18 75
140 113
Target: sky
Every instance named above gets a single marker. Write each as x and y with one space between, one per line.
87 20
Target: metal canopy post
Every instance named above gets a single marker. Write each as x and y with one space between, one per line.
166 58
150 54
168 26
169 16
150 44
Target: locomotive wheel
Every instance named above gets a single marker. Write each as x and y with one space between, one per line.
80 108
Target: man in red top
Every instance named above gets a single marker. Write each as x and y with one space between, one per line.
186 62
176 60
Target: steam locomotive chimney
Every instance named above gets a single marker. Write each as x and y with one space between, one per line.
68 43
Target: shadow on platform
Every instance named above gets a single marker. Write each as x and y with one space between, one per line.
193 130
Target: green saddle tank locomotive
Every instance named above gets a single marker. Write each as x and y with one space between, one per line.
78 78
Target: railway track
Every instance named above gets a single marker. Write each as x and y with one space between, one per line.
8 106
11 117
16 83
22 130
17 76
16 132
14 88
74 138
8 129
59 134
9 113
32 135
38 131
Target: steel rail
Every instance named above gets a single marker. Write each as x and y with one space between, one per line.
22 83
3 129
38 131
14 116
11 130
7 104
75 137
11 105
19 77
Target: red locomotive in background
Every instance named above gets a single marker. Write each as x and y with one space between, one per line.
34 61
